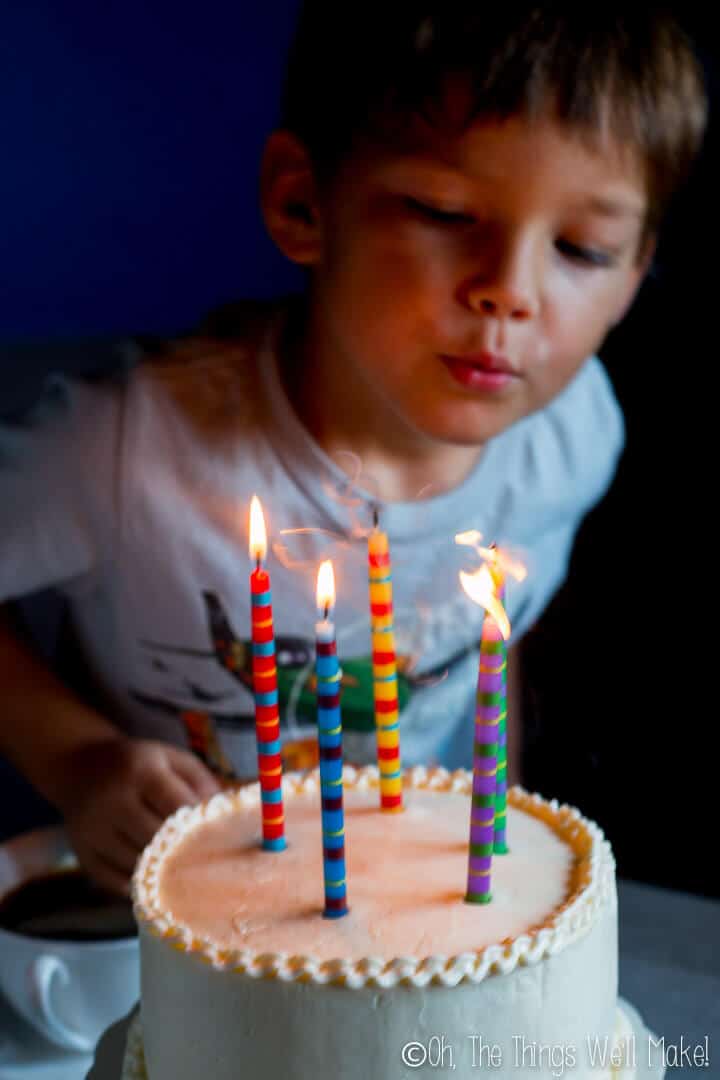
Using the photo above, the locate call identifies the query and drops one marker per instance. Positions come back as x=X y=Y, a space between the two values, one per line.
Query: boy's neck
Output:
x=365 y=440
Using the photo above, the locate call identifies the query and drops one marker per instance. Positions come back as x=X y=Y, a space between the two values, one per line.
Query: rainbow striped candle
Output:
x=385 y=686
x=267 y=715
x=327 y=670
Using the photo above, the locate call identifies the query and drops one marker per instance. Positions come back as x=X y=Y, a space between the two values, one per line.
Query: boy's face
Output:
x=460 y=282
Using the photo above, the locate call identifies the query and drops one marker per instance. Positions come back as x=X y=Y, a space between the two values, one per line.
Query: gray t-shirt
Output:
x=131 y=497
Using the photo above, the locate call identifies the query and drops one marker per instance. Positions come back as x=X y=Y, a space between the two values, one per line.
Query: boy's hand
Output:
x=120 y=790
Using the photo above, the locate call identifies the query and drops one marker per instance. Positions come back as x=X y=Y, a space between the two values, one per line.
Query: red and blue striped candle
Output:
x=329 y=719
x=265 y=689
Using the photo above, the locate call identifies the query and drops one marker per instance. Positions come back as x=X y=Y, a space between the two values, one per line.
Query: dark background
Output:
x=130 y=145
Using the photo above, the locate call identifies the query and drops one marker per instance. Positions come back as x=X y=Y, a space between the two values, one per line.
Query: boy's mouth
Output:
x=481 y=371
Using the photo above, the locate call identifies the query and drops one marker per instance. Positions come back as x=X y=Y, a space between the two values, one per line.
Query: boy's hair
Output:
x=624 y=68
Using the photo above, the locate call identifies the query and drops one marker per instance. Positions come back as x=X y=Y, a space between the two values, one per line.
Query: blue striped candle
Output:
x=327 y=670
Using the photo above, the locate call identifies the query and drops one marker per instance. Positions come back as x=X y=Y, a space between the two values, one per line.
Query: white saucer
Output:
x=25 y=1055
x=120 y=1052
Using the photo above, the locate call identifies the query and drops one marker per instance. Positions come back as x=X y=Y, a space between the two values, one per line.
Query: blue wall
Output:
x=130 y=138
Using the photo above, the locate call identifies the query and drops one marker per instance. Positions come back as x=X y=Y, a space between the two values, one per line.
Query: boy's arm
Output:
x=44 y=723
x=514 y=721
x=113 y=791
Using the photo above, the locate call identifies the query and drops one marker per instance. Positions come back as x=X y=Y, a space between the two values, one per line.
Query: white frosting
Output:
x=220 y=998
x=406 y=881
x=134 y=1059
x=258 y=913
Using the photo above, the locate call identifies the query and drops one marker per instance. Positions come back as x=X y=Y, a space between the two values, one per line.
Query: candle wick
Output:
x=376 y=517
x=258 y=564
x=327 y=611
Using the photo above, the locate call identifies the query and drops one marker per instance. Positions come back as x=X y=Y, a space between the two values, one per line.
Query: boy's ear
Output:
x=289 y=199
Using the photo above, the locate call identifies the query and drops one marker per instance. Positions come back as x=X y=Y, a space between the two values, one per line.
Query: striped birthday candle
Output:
x=481 y=587
x=485 y=762
x=327 y=671
x=500 y=846
x=384 y=667
x=265 y=689
x=486 y=587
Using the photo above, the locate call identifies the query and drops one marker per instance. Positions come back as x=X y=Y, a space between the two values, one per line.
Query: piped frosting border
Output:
x=592 y=889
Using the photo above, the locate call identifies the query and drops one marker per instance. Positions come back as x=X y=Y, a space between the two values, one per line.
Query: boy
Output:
x=475 y=195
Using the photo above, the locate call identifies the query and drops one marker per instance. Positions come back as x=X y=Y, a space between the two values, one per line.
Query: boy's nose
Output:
x=505 y=287
x=500 y=303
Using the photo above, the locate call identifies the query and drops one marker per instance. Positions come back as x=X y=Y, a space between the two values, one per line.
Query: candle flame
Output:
x=258 y=536
x=500 y=561
x=325 y=592
x=482 y=589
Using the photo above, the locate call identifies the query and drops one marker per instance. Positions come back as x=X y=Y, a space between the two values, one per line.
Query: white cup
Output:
x=70 y=991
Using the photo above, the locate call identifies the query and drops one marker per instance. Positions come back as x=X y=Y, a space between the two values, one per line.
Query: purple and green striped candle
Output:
x=488 y=815
x=500 y=846
x=489 y=707
x=484 y=588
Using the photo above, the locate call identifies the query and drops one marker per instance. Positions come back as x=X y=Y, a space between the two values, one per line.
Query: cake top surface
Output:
x=206 y=882
x=406 y=875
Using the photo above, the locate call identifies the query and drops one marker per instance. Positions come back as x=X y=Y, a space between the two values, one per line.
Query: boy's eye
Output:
x=436 y=214
x=589 y=256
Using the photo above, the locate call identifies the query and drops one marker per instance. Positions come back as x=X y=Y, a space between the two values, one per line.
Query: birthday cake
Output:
x=242 y=978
